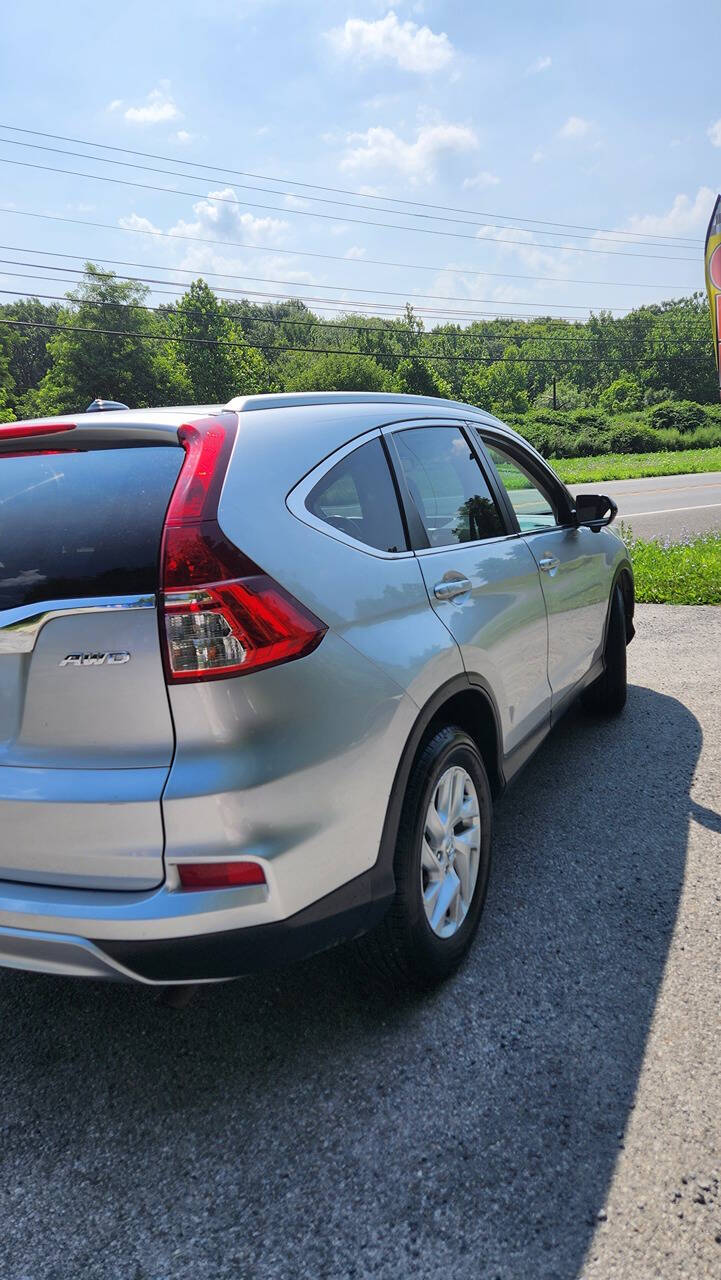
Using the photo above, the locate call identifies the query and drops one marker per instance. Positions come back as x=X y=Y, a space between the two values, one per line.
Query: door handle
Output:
x=449 y=588
x=549 y=564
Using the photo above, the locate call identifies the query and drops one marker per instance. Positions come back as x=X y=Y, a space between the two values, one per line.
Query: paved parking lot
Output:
x=555 y=1111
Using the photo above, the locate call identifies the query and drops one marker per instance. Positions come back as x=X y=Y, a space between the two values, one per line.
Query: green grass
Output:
x=630 y=466
x=685 y=572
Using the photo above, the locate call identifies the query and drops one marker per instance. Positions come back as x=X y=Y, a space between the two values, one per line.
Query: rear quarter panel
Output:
x=296 y=764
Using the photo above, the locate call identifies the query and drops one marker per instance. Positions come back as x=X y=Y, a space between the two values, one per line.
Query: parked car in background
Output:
x=264 y=669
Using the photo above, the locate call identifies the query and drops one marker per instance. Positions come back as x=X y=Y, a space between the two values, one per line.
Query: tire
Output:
x=405 y=947
x=607 y=695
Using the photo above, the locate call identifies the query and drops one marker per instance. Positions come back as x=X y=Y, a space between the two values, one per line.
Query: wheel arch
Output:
x=623 y=578
x=467 y=702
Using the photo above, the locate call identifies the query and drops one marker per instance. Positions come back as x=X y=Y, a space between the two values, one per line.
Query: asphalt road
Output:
x=551 y=1113
x=664 y=506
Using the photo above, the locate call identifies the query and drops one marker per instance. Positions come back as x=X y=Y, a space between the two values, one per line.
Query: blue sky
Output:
x=599 y=116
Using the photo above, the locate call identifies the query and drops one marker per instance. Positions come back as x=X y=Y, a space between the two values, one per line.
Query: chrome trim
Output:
x=20 y=627
x=449 y=588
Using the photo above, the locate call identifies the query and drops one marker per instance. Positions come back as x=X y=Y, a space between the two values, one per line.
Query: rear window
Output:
x=83 y=524
x=357 y=497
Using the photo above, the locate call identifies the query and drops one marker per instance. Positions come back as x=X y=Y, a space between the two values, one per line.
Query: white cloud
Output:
x=134 y=222
x=575 y=127
x=531 y=253
x=355 y=251
x=684 y=215
x=217 y=217
x=483 y=179
x=158 y=108
x=541 y=64
x=538 y=156
x=714 y=133
x=183 y=136
x=381 y=148
x=411 y=47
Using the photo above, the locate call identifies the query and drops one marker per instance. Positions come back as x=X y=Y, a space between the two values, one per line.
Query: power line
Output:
x=150 y=155
x=593 y=341
x=329 y=257
x=226 y=275
x=316 y=351
x=393 y=309
x=328 y=217
x=560 y=322
x=345 y=204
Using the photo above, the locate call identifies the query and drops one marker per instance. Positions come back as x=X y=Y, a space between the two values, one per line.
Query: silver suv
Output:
x=264 y=669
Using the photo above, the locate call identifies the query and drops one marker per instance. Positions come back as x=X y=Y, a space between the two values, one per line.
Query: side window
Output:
x=447 y=486
x=533 y=508
x=357 y=497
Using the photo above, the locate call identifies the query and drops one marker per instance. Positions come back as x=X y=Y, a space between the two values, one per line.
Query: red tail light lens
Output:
x=219 y=875
x=25 y=430
x=223 y=615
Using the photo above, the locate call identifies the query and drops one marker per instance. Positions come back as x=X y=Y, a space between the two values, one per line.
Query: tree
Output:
x=499 y=387
x=204 y=329
x=218 y=349
x=625 y=393
x=105 y=349
x=6 y=382
x=27 y=344
x=567 y=396
x=679 y=352
x=339 y=373
x=419 y=378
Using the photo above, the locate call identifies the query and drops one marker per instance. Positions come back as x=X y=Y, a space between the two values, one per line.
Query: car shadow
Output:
x=307 y=1123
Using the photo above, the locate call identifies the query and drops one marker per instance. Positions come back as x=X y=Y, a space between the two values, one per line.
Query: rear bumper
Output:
x=169 y=936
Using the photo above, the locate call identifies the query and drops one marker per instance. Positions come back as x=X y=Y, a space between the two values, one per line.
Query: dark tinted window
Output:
x=357 y=497
x=83 y=524
x=447 y=486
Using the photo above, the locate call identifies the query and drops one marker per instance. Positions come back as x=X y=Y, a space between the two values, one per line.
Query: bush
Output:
x=582 y=433
x=630 y=438
x=588 y=418
x=656 y=396
x=706 y=437
x=684 y=415
x=624 y=393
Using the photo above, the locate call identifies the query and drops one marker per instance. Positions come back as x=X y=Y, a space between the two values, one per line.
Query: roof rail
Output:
x=245 y=404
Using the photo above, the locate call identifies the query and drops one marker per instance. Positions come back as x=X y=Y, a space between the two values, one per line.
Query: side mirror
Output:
x=595 y=510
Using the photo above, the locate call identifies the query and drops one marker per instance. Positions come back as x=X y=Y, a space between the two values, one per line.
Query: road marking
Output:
x=666 y=488
x=667 y=511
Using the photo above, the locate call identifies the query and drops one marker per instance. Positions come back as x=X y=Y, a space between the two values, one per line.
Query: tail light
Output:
x=222 y=614
x=24 y=430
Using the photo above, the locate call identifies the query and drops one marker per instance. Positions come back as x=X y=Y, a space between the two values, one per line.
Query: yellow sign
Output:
x=712 y=259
